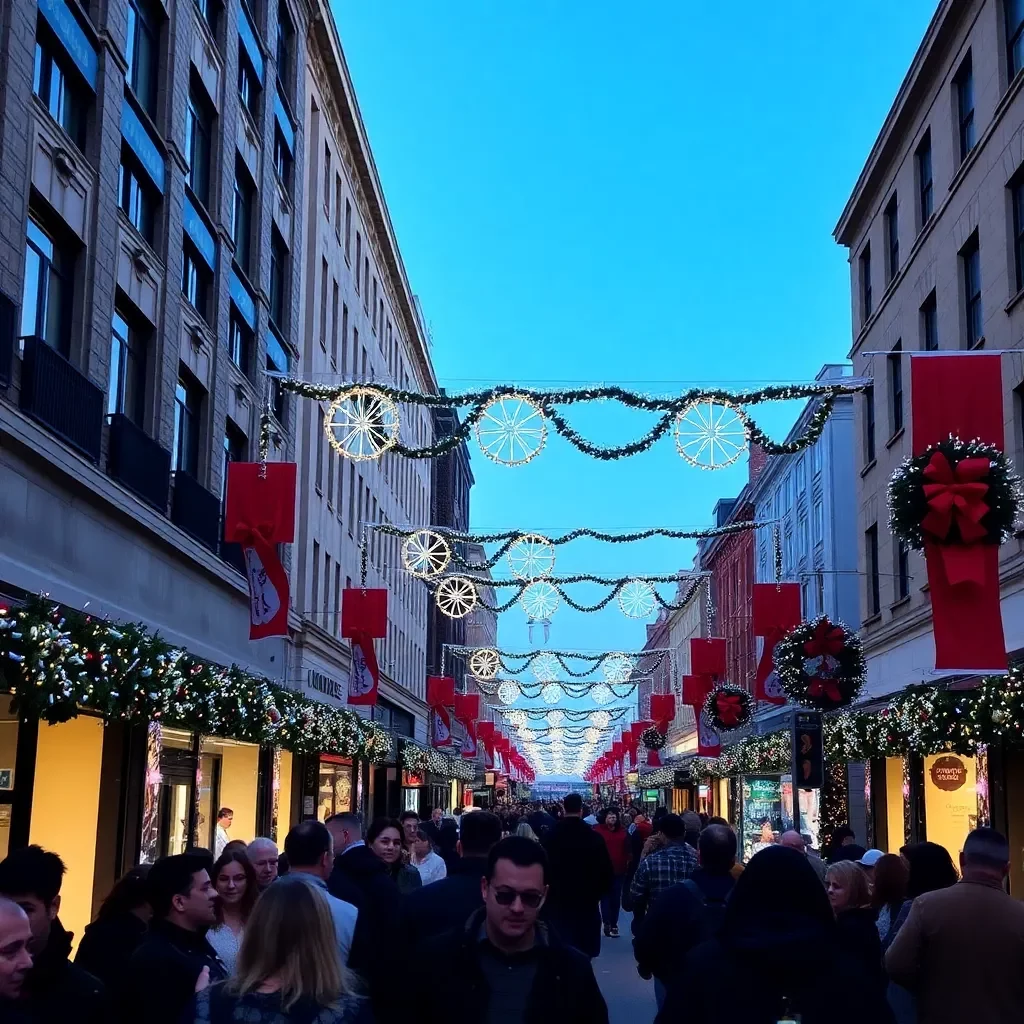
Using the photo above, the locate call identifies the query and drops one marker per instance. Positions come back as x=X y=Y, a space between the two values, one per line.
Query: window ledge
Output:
x=868 y=466
x=895 y=437
x=980 y=343
x=319 y=489
x=872 y=620
x=1013 y=301
x=901 y=603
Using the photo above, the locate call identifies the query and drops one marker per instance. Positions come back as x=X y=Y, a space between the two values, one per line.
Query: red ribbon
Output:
x=826 y=639
x=828 y=688
x=262 y=566
x=728 y=708
x=956 y=495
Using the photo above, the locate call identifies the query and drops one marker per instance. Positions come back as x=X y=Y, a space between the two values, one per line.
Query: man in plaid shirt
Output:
x=657 y=871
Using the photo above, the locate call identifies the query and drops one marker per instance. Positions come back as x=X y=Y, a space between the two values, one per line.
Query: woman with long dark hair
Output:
x=234 y=878
x=888 y=891
x=384 y=838
x=108 y=943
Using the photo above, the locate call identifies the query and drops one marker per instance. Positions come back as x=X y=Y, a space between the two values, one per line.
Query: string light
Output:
x=621 y=666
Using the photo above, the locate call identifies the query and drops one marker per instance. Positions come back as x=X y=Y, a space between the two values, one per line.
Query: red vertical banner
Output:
x=776 y=610
x=364 y=617
x=440 y=697
x=962 y=395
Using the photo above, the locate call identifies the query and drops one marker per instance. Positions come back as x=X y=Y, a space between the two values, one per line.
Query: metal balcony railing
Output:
x=195 y=509
x=138 y=462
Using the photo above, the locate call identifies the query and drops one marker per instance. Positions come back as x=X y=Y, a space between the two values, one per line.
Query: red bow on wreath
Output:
x=821 y=663
x=956 y=495
x=827 y=639
x=728 y=708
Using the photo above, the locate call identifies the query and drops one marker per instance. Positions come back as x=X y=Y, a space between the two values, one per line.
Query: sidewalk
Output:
x=630 y=999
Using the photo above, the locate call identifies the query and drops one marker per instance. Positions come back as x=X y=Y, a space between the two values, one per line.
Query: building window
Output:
x=925 y=187
x=285 y=42
x=344 y=339
x=337 y=206
x=869 y=425
x=902 y=570
x=249 y=87
x=316 y=578
x=241 y=215
x=366 y=284
x=320 y=452
x=48 y=290
x=143 y=53
x=1017 y=194
x=896 y=388
x=277 y=363
x=188 y=409
x=126 y=390
x=865 y=283
x=871 y=554
x=374 y=307
x=892 y=238
x=348 y=231
x=819 y=521
x=323 y=303
x=198 y=137
x=970 y=262
x=210 y=10
x=1014 y=36
x=196 y=280
x=327 y=181
x=278 y=275
x=56 y=82
x=236 y=448
x=335 y=300
x=359 y=258
x=930 y=325
x=241 y=343
x=282 y=159
x=964 y=85
x=137 y=197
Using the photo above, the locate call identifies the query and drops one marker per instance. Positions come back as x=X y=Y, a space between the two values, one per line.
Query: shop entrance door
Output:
x=335 y=786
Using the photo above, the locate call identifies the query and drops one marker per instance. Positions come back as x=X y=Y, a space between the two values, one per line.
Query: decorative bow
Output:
x=956 y=495
x=826 y=640
x=822 y=686
x=729 y=708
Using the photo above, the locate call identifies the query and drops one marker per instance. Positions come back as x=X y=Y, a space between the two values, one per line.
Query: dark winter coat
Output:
x=564 y=988
x=163 y=972
x=444 y=905
x=108 y=944
x=858 y=936
x=57 y=991
x=215 y=1006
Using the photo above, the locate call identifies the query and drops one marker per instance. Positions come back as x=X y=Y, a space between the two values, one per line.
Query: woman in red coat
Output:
x=616 y=838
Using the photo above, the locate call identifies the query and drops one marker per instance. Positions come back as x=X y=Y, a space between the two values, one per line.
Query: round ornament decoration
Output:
x=540 y=600
x=425 y=554
x=516 y=718
x=954 y=493
x=600 y=719
x=591 y=735
x=362 y=424
x=711 y=434
x=544 y=667
x=484 y=663
x=617 y=668
x=820 y=664
x=551 y=693
x=508 y=693
x=511 y=430
x=652 y=738
x=456 y=596
x=555 y=718
x=531 y=557
x=601 y=694
x=637 y=599
x=728 y=707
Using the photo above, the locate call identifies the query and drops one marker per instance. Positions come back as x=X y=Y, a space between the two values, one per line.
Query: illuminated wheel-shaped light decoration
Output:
x=456 y=596
x=531 y=557
x=601 y=694
x=617 y=668
x=637 y=599
x=516 y=718
x=484 y=664
x=600 y=719
x=362 y=424
x=551 y=693
x=544 y=667
x=555 y=717
x=511 y=430
x=508 y=693
x=711 y=434
x=540 y=600
x=592 y=735
x=556 y=734
x=425 y=554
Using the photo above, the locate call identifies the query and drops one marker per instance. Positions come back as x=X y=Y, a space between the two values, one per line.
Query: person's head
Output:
x=385 y=839
x=716 y=849
x=436 y=815
x=843 y=836
x=422 y=844
x=889 y=885
x=481 y=831
x=611 y=818
x=410 y=822
x=985 y=857
x=264 y=857
x=15 y=959
x=792 y=840
x=848 y=851
x=235 y=882
x=309 y=848
x=525 y=830
x=847 y=886
x=180 y=891
x=224 y=818
x=672 y=828
x=347 y=829
x=130 y=895
x=514 y=890
x=290 y=938
x=573 y=805
x=930 y=867
x=868 y=861
x=715 y=820
x=767 y=832
x=32 y=878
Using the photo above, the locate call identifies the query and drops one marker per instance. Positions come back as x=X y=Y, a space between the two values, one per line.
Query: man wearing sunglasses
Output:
x=510 y=967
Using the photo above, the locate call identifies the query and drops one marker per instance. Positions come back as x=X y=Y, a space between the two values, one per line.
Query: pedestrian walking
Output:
x=849 y=895
x=509 y=966
x=15 y=959
x=692 y=827
x=525 y=829
x=795 y=841
x=237 y=891
x=447 y=842
x=617 y=841
x=424 y=858
x=266 y=861
x=580 y=873
x=385 y=839
x=888 y=891
x=288 y=970
x=410 y=822
x=961 y=948
x=174 y=957
x=777 y=957
x=108 y=942
x=225 y=817
x=673 y=863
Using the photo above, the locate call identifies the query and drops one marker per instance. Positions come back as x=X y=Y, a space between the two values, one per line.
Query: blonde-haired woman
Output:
x=849 y=892
x=288 y=967
x=525 y=829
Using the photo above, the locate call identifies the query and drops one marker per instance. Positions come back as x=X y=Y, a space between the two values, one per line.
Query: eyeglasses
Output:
x=531 y=898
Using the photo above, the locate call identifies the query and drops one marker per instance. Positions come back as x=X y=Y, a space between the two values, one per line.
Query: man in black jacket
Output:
x=164 y=971
x=509 y=967
x=54 y=990
x=581 y=873
x=447 y=904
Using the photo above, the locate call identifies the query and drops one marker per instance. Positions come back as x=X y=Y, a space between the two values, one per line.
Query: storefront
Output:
x=766 y=812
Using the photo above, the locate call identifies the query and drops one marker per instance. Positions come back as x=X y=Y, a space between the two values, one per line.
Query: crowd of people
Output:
x=507 y=910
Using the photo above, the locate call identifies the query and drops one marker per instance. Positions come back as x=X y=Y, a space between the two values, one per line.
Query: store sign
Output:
x=324 y=684
x=949 y=773
x=651 y=795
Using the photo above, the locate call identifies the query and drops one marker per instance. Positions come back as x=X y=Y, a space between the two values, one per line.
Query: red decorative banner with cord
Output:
x=663 y=710
x=440 y=697
x=467 y=711
x=960 y=396
x=776 y=610
x=364 y=617
x=259 y=514
x=485 y=735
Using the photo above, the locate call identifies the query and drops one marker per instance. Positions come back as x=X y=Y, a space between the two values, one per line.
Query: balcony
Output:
x=137 y=461
x=233 y=556
x=195 y=509
x=60 y=397
x=8 y=313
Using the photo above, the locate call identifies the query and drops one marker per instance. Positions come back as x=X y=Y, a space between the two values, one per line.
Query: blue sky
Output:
x=602 y=193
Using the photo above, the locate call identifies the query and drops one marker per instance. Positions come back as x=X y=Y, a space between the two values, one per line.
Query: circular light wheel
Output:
x=516 y=718
x=484 y=664
x=711 y=434
x=551 y=693
x=362 y=424
x=540 y=600
x=617 y=668
x=531 y=557
x=592 y=735
x=555 y=717
x=425 y=554
x=601 y=694
x=600 y=719
x=456 y=596
x=508 y=693
x=511 y=430
x=637 y=600
x=545 y=667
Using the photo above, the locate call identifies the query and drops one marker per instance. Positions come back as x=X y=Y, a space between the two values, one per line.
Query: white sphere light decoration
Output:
x=551 y=693
x=508 y=692
x=555 y=717
x=600 y=719
x=601 y=694
x=617 y=668
x=592 y=735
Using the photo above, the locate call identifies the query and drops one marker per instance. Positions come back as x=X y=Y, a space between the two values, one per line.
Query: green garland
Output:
x=426 y=760
x=574 y=690
x=711 y=707
x=57 y=662
x=506 y=659
x=652 y=738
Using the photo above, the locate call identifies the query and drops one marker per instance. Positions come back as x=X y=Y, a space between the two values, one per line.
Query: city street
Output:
x=630 y=999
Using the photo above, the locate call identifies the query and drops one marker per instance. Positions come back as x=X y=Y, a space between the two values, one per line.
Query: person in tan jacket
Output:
x=961 y=949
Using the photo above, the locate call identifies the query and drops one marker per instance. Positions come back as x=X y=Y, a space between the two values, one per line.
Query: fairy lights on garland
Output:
x=425 y=760
x=821 y=664
x=501 y=688
x=56 y=662
x=643 y=662
x=728 y=707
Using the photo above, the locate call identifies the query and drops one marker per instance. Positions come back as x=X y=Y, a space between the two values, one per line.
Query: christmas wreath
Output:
x=652 y=738
x=728 y=707
x=820 y=664
x=955 y=492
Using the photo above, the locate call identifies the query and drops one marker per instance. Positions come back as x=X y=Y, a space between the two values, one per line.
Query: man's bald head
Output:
x=263 y=856
x=794 y=841
x=15 y=934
